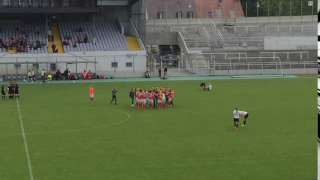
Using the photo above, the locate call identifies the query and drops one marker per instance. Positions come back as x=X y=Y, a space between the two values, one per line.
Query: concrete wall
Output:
x=310 y=71
x=272 y=19
x=290 y=43
x=112 y=2
x=162 y=38
x=103 y=59
x=134 y=32
x=112 y=13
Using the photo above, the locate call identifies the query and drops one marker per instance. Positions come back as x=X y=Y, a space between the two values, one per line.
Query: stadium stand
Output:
x=108 y=37
x=25 y=37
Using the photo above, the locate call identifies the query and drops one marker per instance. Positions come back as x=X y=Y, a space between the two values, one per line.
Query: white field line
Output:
x=25 y=142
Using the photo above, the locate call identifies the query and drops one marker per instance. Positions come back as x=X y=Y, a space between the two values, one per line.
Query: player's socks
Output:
x=244 y=122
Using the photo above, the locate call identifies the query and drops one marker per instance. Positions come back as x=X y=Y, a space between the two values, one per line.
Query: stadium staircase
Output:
x=133 y=43
x=57 y=39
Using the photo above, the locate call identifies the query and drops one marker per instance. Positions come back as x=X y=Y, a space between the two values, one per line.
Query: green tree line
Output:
x=278 y=7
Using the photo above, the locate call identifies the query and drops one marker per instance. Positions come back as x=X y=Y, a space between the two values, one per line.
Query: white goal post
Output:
x=246 y=67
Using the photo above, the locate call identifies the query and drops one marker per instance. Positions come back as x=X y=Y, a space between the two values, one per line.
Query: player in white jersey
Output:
x=245 y=116
x=236 y=116
x=209 y=87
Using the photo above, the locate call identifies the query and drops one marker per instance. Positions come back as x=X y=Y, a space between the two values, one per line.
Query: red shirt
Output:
x=171 y=94
x=138 y=95
x=151 y=95
x=91 y=90
x=160 y=96
x=143 y=95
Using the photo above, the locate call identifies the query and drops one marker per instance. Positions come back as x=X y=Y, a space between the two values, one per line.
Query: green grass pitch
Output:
x=70 y=138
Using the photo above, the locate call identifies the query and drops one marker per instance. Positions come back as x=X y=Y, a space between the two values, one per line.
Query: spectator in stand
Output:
x=31 y=46
x=0 y=29
x=159 y=71
x=4 y=44
x=11 y=43
x=147 y=75
x=38 y=45
x=85 y=38
x=53 y=47
x=17 y=29
x=79 y=39
x=165 y=70
x=80 y=29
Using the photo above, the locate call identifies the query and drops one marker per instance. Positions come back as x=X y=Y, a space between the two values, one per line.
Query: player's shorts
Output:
x=246 y=116
x=151 y=101
x=160 y=101
x=3 y=93
x=144 y=100
x=236 y=119
x=91 y=95
x=170 y=99
x=16 y=92
x=29 y=77
x=139 y=100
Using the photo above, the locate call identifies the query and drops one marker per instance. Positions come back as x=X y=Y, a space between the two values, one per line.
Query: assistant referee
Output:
x=114 y=95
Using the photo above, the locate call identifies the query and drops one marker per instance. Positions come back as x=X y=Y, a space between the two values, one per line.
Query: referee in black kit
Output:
x=114 y=95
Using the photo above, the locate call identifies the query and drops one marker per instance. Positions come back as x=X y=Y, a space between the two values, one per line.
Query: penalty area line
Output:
x=25 y=142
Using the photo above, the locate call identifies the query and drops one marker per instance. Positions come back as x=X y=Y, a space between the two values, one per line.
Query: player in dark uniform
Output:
x=3 y=92
x=114 y=96
x=16 y=91
x=10 y=93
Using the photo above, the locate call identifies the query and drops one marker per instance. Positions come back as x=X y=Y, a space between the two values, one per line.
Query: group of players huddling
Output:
x=153 y=98
x=13 y=91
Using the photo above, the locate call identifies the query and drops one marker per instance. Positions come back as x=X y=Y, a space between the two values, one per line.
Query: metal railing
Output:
x=183 y=29
x=291 y=28
x=286 y=55
x=246 y=28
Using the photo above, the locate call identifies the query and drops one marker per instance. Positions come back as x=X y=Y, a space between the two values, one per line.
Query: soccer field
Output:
x=70 y=138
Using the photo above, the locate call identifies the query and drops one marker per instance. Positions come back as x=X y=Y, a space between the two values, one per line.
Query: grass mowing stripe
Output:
x=25 y=142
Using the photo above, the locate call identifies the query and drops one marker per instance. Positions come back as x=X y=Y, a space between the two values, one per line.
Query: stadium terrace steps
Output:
x=57 y=39
x=108 y=36
x=133 y=43
x=35 y=32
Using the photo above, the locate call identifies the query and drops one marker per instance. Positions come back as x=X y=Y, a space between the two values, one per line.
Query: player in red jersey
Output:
x=144 y=99
x=138 y=98
x=150 y=98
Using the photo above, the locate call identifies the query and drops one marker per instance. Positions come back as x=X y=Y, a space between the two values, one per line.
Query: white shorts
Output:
x=160 y=101
x=139 y=101
x=144 y=100
x=170 y=99
x=151 y=101
x=91 y=95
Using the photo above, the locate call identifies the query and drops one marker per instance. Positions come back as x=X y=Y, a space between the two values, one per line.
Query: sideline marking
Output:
x=75 y=130
x=25 y=142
